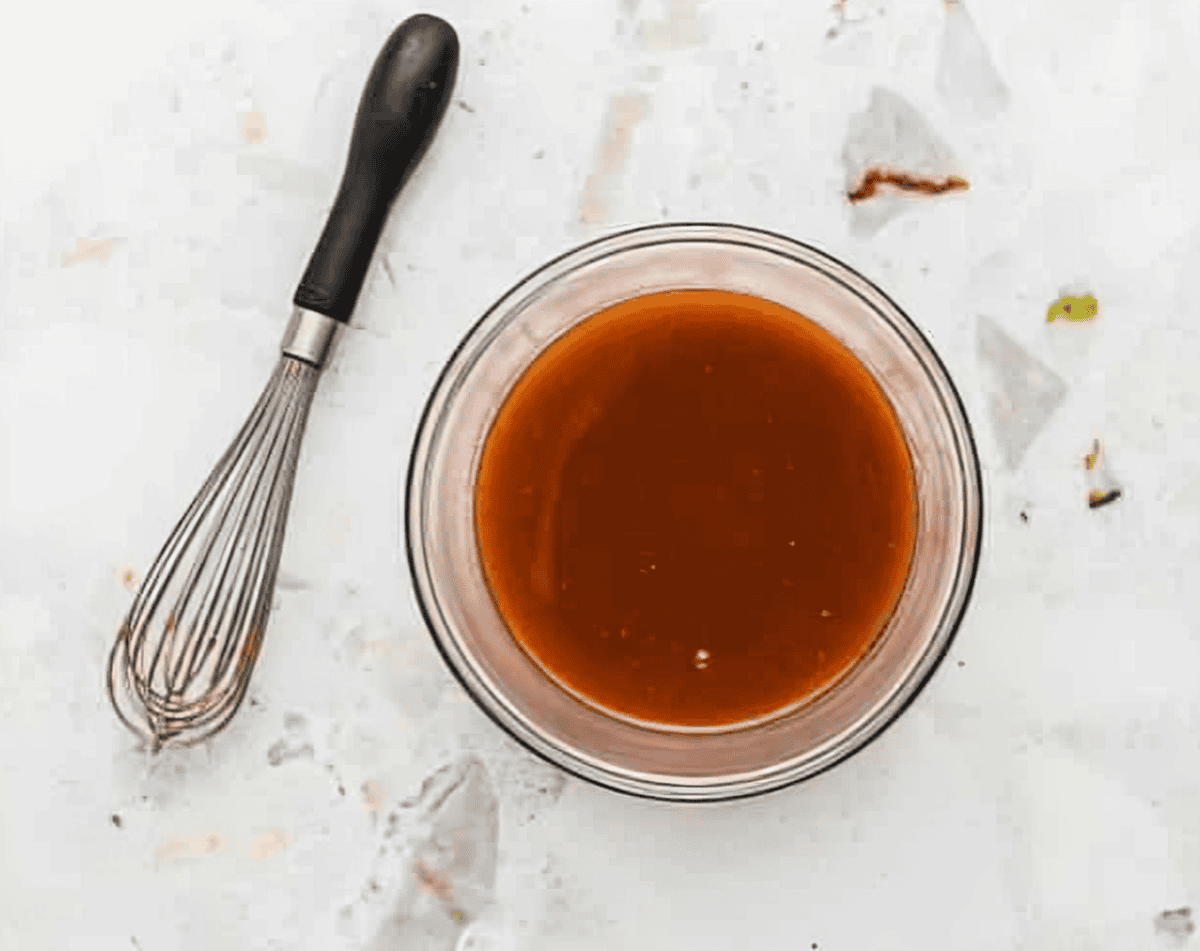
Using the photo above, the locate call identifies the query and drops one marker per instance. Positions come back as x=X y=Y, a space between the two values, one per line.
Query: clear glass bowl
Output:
x=660 y=762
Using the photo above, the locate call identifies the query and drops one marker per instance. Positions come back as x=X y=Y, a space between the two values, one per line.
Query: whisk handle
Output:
x=402 y=105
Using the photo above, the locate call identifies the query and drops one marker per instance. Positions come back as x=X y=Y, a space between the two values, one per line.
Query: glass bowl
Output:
x=663 y=762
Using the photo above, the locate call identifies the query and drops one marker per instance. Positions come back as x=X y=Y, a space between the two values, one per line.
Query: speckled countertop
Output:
x=164 y=172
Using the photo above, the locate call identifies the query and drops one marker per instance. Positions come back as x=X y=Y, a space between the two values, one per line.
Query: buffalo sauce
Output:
x=696 y=508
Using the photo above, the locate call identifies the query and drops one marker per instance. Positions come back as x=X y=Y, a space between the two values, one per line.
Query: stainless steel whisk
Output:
x=182 y=659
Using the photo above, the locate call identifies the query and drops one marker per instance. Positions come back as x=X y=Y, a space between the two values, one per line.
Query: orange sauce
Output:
x=696 y=508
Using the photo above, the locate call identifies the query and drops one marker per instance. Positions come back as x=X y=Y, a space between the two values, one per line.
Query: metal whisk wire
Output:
x=208 y=594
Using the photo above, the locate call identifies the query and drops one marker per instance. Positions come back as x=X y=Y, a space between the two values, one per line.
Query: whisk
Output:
x=182 y=660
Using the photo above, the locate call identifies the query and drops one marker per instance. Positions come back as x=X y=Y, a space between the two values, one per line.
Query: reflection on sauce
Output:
x=696 y=508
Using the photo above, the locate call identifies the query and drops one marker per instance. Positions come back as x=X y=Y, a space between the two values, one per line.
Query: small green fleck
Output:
x=1074 y=308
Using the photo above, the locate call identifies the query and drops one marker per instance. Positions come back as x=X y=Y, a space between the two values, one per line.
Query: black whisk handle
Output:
x=402 y=105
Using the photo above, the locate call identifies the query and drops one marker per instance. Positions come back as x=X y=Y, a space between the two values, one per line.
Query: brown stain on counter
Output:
x=432 y=881
x=623 y=114
x=681 y=30
x=373 y=796
x=88 y=249
x=189 y=847
x=267 y=844
x=253 y=126
x=877 y=178
x=1098 y=499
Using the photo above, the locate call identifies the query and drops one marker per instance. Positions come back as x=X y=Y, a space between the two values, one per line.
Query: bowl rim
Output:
x=970 y=555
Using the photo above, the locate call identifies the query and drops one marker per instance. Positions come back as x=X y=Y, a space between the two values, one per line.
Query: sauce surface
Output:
x=696 y=508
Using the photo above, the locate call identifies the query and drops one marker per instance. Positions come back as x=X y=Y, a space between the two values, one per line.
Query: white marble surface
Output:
x=1044 y=791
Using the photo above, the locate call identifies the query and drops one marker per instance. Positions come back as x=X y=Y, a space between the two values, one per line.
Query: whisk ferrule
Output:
x=310 y=336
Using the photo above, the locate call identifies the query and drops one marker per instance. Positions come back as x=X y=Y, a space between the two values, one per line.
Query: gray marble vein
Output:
x=1023 y=393
x=967 y=79
x=445 y=847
